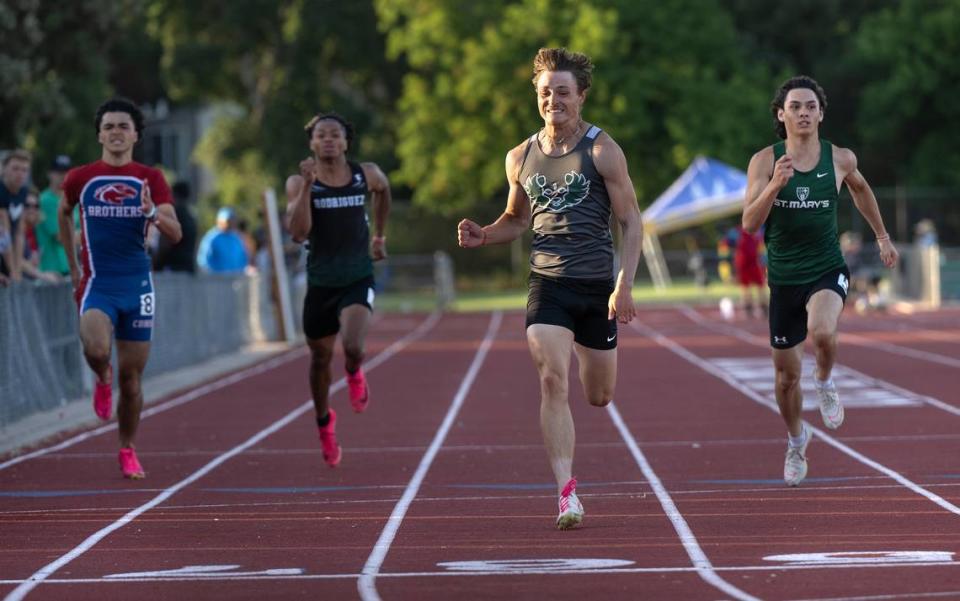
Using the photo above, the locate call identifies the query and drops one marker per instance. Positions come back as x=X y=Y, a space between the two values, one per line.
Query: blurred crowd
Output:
x=31 y=251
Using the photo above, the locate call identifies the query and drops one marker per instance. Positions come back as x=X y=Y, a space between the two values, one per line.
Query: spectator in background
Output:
x=32 y=255
x=749 y=269
x=179 y=256
x=53 y=257
x=13 y=193
x=222 y=249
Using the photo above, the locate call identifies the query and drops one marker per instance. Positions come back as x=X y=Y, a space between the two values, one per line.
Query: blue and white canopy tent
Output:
x=707 y=190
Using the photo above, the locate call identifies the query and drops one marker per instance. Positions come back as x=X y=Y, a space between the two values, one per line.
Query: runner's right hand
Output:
x=470 y=234
x=782 y=171
x=308 y=169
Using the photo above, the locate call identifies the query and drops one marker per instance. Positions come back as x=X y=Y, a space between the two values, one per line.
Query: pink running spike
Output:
x=103 y=397
x=129 y=464
x=328 y=441
x=359 y=391
x=569 y=487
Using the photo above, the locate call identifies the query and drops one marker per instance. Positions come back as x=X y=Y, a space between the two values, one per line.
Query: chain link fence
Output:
x=41 y=363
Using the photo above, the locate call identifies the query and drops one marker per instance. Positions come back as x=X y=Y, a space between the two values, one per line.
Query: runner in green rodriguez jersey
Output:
x=793 y=187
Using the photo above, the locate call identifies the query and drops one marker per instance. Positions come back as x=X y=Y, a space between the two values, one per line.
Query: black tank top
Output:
x=570 y=209
x=339 y=242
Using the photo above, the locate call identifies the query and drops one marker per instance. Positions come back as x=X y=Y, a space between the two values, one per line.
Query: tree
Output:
x=909 y=116
x=275 y=64
x=54 y=72
x=669 y=84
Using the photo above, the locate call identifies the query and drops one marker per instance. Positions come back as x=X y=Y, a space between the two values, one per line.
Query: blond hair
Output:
x=561 y=59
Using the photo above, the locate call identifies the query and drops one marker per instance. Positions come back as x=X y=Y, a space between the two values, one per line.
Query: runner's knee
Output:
x=97 y=353
x=787 y=380
x=353 y=351
x=821 y=336
x=600 y=398
x=320 y=356
x=553 y=385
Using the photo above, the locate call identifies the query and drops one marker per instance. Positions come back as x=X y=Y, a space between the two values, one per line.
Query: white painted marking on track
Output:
x=696 y=554
x=756 y=373
x=449 y=573
x=366 y=584
x=855 y=557
x=45 y=572
x=708 y=367
x=903 y=351
x=205 y=571
x=164 y=406
x=758 y=341
x=535 y=566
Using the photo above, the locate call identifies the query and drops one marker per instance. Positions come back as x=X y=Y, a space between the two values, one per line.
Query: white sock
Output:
x=828 y=383
x=797 y=441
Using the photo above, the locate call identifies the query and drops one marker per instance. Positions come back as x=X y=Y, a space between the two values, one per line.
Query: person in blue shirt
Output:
x=222 y=249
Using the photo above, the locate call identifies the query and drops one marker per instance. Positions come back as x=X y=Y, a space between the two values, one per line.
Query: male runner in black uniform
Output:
x=568 y=178
x=327 y=207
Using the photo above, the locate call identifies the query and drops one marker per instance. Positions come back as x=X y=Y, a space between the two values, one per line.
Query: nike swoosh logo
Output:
x=819 y=175
x=610 y=339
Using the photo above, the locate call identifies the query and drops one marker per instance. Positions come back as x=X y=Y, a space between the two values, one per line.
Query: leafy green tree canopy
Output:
x=669 y=83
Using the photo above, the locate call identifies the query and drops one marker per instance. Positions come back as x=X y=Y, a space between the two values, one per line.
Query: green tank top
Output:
x=801 y=230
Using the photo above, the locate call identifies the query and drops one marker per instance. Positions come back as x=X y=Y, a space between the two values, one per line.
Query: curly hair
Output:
x=797 y=82
x=561 y=59
x=346 y=125
x=120 y=105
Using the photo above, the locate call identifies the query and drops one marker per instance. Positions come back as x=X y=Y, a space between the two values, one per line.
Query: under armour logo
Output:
x=779 y=339
x=843 y=282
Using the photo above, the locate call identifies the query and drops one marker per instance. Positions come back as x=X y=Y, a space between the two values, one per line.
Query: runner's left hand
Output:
x=378 y=248
x=888 y=253
x=621 y=305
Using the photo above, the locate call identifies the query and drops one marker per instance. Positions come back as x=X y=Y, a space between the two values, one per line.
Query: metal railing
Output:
x=41 y=362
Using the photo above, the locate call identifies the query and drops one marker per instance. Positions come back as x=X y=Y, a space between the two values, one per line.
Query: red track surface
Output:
x=681 y=480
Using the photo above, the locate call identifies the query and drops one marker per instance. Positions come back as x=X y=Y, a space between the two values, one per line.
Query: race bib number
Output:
x=146 y=304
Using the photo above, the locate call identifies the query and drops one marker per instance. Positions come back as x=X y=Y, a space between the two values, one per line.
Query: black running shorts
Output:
x=788 y=306
x=578 y=305
x=322 y=306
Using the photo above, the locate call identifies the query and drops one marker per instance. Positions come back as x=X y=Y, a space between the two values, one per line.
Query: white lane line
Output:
x=166 y=405
x=518 y=572
x=714 y=371
x=196 y=393
x=366 y=584
x=758 y=341
x=700 y=560
x=45 y=572
x=904 y=351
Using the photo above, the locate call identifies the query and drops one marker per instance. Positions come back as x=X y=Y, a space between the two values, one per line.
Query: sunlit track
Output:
x=366 y=584
x=953 y=565
x=821 y=434
x=902 y=350
x=474 y=518
x=704 y=567
x=508 y=448
x=880 y=338
x=178 y=400
x=758 y=341
x=39 y=576
x=152 y=410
